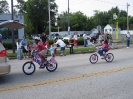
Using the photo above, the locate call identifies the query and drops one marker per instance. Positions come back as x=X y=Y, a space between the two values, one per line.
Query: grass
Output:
x=76 y=50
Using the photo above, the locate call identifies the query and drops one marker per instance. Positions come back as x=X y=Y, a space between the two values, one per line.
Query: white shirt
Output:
x=75 y=37
x=84 y=36
x=61 y=43
x=18 y=45
x=128 y=35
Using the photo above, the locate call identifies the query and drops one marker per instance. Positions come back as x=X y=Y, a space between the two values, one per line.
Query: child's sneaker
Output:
x=101 y=57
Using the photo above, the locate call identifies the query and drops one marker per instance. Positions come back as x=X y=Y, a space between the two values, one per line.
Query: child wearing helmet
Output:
x=40 y=46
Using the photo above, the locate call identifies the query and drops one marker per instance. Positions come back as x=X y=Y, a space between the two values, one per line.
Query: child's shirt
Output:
x=40 y=46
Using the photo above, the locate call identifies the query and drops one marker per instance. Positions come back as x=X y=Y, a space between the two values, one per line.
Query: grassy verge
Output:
x=76 y=50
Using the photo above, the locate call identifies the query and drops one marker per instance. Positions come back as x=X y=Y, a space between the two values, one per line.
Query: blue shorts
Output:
x=62 y=48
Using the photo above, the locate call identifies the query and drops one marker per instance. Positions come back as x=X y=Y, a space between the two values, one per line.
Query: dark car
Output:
x=94 y=37
x=55 y=35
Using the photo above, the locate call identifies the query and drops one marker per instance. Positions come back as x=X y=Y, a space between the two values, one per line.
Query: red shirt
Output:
x=41 y=46
x=105 y=45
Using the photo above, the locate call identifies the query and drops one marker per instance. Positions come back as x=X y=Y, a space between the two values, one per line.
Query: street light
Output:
x=68 y=20
x=49 y=18
x=13 y=39
x=115 y=17
x=127 y=18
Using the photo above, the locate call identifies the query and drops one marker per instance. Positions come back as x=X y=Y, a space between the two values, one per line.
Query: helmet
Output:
x=37 y=38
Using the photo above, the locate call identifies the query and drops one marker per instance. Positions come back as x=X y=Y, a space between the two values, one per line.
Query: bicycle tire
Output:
x=109 y=57
x=51 y=67
x=29 y=68
x=93 y=58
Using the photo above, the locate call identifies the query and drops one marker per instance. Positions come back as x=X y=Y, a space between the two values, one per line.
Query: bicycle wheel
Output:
x=93 y=58
x=51 y=66
x=29 y=68
x=109 y=57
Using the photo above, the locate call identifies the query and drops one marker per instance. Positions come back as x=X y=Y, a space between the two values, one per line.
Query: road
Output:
x=75 y=78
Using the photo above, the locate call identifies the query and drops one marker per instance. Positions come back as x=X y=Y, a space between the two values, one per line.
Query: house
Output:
x=111 y=29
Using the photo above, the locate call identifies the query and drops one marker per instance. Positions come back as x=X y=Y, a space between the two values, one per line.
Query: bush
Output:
x=8 y=45
x=80 y=41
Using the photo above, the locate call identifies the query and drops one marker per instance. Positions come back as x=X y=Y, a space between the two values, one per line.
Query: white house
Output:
x=108 y=28
x=111 y=29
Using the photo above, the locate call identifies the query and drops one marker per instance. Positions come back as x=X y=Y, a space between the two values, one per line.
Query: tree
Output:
x=4 y=6
x=78 y=21
x=37 y=11
x=29 y=26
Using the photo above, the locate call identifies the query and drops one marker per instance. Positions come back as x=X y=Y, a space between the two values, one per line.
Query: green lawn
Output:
x=76 y=50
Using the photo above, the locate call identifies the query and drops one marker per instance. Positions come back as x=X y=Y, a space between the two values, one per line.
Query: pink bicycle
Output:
x=29 y=67
x=107 y=56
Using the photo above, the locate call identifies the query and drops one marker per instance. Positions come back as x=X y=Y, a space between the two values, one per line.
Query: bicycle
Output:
x=29 y=67
x=107 y=56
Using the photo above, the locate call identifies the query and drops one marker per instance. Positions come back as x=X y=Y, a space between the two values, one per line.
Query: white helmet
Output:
x=37 y=38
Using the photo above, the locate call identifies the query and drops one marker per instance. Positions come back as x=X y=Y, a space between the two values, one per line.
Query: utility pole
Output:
x=13 y=39
x=68 y=20
x=127 y=18
x=49 y=19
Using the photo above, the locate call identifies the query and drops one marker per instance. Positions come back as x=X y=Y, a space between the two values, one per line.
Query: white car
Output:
x=67 y=37
x=4 y=65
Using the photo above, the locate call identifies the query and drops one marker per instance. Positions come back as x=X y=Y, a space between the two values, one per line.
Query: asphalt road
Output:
x=75 y=78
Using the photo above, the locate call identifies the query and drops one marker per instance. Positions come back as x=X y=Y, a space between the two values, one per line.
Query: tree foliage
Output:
x=4 y=6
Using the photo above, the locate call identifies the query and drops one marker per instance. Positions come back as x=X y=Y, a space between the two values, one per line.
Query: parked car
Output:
x=55 y=35
x=94 y=37
x=4 y=65
x=67 y=37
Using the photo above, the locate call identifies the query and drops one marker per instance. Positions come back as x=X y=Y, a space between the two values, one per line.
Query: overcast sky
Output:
x=88 y=6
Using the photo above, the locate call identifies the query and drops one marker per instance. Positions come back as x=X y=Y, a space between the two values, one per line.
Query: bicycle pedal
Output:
x=41 y=67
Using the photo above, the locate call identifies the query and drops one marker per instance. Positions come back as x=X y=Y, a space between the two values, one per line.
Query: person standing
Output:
x=24 y=43
x=62 y=46
x=0 y=38
x=128 y=39
x=71 y=44
x=75 y=40
x=19 y=51
x=85 y=39
x=44 y=37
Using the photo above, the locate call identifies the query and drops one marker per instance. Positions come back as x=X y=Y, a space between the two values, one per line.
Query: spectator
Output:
x=62 y=46
x=0 y=38
x=24 y=47
x=51 y=49
x=128 y=39
x=85 y=39
x=19 y=51
x=46 y=44
x=71 y=44
x=44 y=38
x=30 y=48
x=75 y=39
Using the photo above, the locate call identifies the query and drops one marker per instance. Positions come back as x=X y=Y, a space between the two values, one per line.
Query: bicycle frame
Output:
x=36 y=57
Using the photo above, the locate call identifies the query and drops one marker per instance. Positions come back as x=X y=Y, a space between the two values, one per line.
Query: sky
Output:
x=88 y=6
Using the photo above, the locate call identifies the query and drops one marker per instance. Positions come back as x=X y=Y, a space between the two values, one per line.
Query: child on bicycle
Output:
x=40 y=47
x=104 y=48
